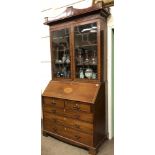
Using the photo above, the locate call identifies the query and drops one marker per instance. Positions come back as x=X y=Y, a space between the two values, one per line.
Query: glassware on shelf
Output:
x=64 y=57
x=94 y=58
x=81 y=73
x=67 y=59
x=86 y=61
x=61 y=53
x=79 y=57
x=61 y=74
x=64 y=71
x=59 y=62
x=88 y=73
x=94 y=75
x=58 y=74
x=57 y=56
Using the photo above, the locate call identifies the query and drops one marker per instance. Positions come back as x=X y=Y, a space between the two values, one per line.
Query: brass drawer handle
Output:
x=77 y=137
x=76 y=107
x=53 y=103
x=53 y=111
x=77 y=126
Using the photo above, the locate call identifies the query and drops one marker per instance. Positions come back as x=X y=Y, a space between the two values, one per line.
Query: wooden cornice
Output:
x=71 y=13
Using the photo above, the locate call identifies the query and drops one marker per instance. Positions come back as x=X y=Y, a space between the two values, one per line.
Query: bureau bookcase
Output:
x=74 y=101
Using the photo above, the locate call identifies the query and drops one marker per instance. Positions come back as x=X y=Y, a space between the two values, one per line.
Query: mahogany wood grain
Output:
x=68 y=132
x=99 y=117
x=72 y=13
x=78 y=106
x=68 y=140
x=83 y=116
x=69 y=122
x=76 y=91
x=59 y=103
x=74 y=110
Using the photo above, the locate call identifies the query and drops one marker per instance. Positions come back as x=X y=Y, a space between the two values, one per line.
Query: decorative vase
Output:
x=88 y=73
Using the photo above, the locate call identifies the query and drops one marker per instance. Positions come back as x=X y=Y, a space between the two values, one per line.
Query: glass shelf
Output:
x=80 y=46
x=58 y=63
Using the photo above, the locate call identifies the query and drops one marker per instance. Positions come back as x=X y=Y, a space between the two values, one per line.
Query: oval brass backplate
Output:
x=68 y=90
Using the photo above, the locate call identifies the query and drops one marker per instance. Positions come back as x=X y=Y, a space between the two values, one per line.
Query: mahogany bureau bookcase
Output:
x=74 y=101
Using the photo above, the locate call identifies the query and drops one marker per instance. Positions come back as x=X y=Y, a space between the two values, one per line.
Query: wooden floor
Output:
x=51 y=146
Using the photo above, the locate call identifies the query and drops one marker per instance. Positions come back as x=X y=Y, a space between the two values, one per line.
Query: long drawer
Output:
x=68 y=132
x=88 y=117
x=72 y=123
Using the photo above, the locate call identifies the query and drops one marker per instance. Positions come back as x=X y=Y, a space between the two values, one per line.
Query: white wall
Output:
x=52 y=8
x=110 y=23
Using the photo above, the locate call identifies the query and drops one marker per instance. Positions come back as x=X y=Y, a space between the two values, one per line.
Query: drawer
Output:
x=77 y=136
x=69 y=133
x=72 y=123
x=88 y=117
x=48 y=103
x=49 y=126
x=77 y=106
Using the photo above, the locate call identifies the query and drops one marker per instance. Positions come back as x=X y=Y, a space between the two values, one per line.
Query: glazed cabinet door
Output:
x=60 y=52
x=86 y=51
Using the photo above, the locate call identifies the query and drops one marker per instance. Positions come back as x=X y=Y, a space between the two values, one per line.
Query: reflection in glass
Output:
x=81 y=73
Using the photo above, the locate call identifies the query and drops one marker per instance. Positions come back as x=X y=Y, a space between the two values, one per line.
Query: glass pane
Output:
x=86 y=51
x=61 y=54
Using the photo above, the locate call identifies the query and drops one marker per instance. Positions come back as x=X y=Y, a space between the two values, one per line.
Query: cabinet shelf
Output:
x=63 y=78
x=84 y=33
x=79 y=46
x=66 y=64
x=86 y=65
x=64 y=37
x=66 y=50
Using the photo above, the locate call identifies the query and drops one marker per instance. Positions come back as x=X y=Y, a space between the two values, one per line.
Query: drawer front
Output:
x=72 y=123
x=49 y=126
x=48 y=103
x=78 y=106
x=77 y=136
x=88 y=117
x=69 y=133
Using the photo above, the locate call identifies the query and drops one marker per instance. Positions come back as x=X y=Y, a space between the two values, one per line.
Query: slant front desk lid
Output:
x=78 y=91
